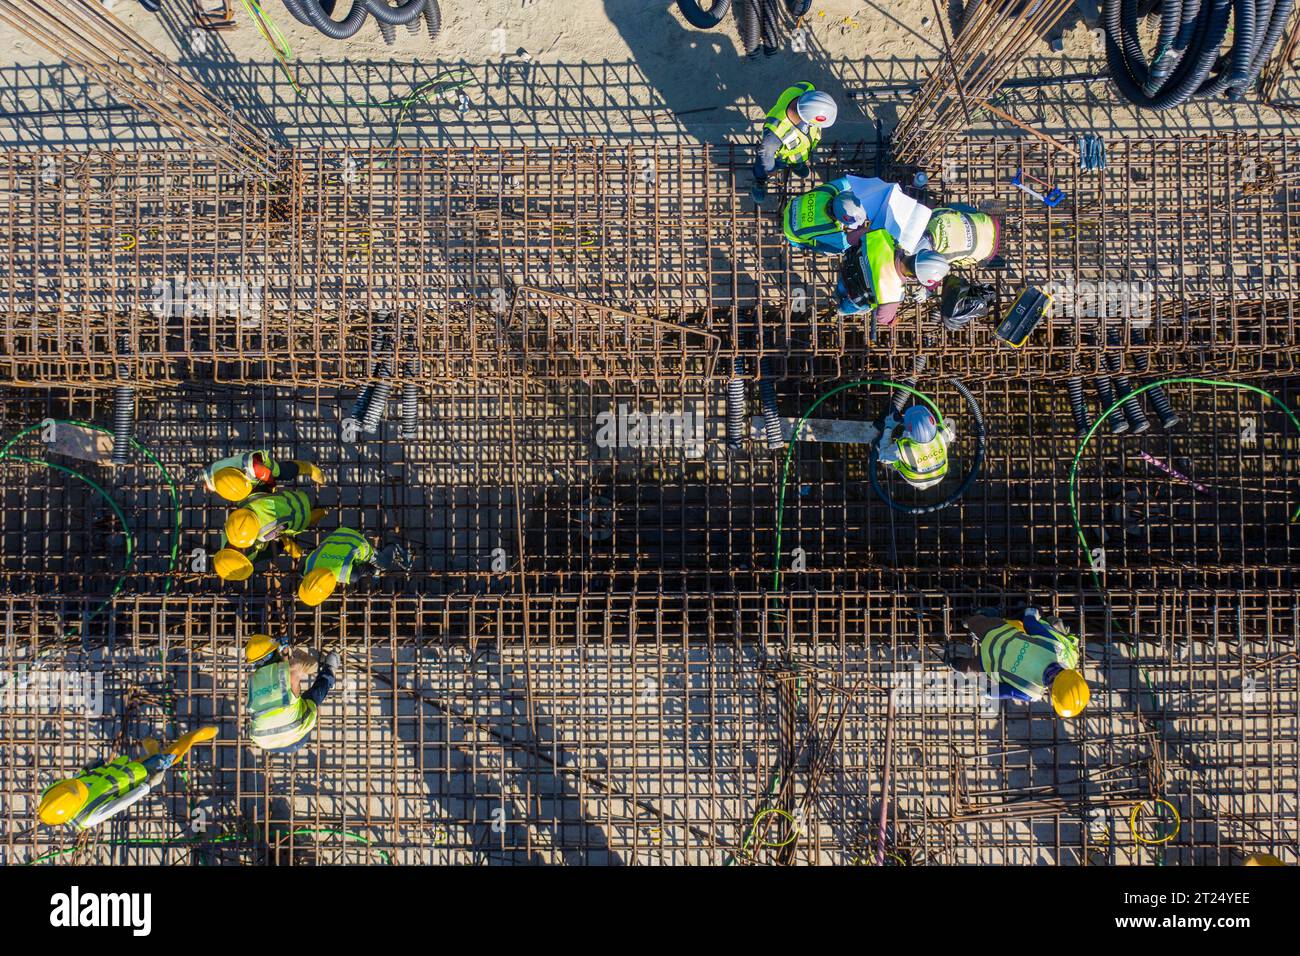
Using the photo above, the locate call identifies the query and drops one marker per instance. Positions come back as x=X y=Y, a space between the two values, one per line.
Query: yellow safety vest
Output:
x=341 y=549
x=808 y=217
x=105 y=784
x=285 y=512
x=882 y=271
x=922 y=461
x=963 y=238
x=796 y=145
x=1021 y=660
x=280 y=717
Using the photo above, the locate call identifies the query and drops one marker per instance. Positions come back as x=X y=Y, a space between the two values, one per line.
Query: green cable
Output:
x=794 y=436
x=1074 y=507
x=220 y=838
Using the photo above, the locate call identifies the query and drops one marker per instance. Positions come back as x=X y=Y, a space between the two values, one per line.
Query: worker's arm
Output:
x=886 y=313
x=949 y=431
x=887 y=447
x=1007 y=692
x=765 y=158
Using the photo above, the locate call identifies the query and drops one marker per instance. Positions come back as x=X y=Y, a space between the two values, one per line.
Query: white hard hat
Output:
x=930 y=268
x=817 y=108
x=846 y=208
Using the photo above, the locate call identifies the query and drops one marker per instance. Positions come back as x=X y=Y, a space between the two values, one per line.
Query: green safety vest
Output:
x=242 y=463
x=962 y=237
x=796 y=145
x=1021 y=660
x=922 y=461
x=882 y=271
x=114 y=779
x=285 y=512
x=338 y=552
x=280 y=717
x=808 y=217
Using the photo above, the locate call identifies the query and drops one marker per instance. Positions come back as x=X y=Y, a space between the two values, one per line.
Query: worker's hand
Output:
x=758 y=193
x=891 y=422
x=331 y=662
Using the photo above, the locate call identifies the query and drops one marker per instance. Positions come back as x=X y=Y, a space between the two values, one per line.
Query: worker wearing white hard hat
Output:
x=791 y=131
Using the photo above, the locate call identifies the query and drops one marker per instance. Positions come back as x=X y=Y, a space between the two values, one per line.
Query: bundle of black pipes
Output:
x=316 y=13
x=758 y=22
x=1188 y=60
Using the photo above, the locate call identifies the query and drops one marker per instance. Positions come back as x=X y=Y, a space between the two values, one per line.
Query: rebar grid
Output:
x=650 y=731
x=987 y=48
x=86 y=35
x=474 y=263
x=551 y=483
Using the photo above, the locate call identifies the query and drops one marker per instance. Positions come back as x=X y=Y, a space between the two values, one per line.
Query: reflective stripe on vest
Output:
x=922 y=461
x=1021 y=660
x=963 y=238
x=809 y=216
x=796 y=145
x=286 y=511
x=280 y=717
x=115 y=779
x=882 y=271
x=338 y=552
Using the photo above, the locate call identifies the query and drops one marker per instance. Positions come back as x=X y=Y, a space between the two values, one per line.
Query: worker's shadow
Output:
x=473 y=812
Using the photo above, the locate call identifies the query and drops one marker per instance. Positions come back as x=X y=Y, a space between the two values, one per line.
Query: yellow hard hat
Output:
x=232 y=484
x=62 y=801
x=1262 y=859
x=1070 y=693
x=230 y=565
x=317 y=586
x=242 y=527
x=258 y=646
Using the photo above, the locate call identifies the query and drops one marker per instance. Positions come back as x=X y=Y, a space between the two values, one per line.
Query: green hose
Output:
x=220 y=838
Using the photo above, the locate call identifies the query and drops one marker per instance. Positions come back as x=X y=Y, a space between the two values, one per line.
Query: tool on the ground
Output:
x=1052 y=198
x=1024 y=315
x=1172 y=472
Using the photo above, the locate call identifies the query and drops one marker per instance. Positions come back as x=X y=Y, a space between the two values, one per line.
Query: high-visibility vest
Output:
x=963 y=238
x=280 y=717
x=242 y=463
x=114 y=779
x=341 y=549
x=809 y=217
x=1021 y=660
x=922 y=461
x=285 y=512
x=796 y=145
x=882 y=270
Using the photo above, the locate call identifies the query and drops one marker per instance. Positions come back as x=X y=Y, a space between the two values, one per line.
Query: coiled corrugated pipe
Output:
x=123 y=408
x=1132 y=407
x=337 y=29
x=1164 y=408
x=410 y=400
x=1078 y=406
x=767 y=398
x=404 y=12
x=381 y=392
x=736 y=405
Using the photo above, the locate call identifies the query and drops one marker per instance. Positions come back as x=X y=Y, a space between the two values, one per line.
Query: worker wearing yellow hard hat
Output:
x=1262 y=859
x=237 y=477
x=107 y=789
x=281 y=718
x=332 y=563
x=266 y=517
x=1029 y=659
x=231 y=564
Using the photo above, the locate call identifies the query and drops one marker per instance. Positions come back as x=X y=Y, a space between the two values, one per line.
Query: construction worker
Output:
x=917 y=447
x=281 y=719
x=267 y=517
x=1029 y=659
x=231 y=564
x=237 y=477
x=331 y=563
x=874 y=276
x=963 y=235
x=107 y=789
x=827 y=219
x=1262 y=859
x=791 y=131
